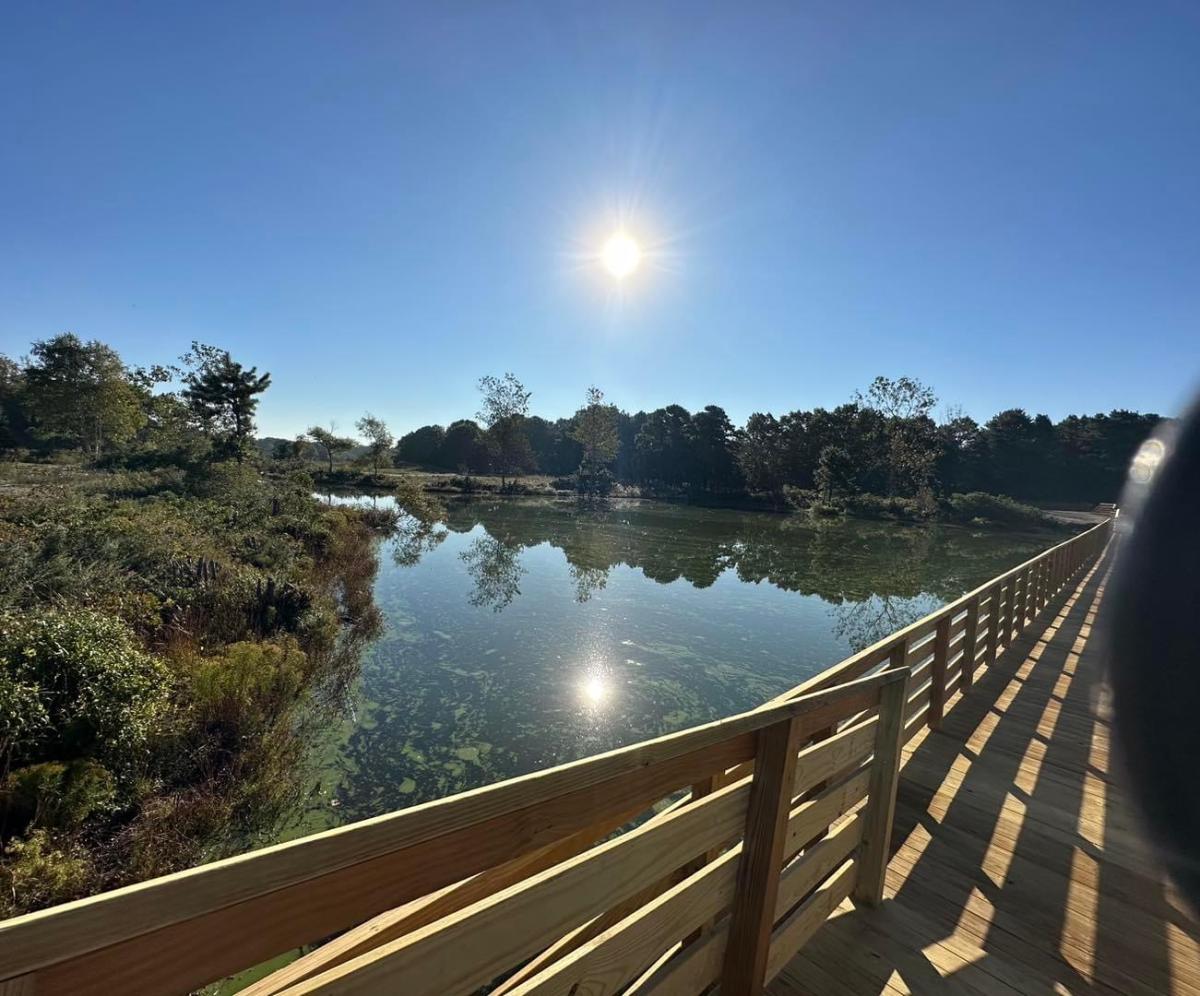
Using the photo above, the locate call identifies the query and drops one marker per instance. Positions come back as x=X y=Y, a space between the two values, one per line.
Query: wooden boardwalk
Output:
x=1018 y=866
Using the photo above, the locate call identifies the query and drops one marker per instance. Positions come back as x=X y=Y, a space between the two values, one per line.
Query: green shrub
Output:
x=977 y=505
x=100 y=695
x=56 y=796
x=869 y=506
x=248 y=687
x=42 y=871
x=24 y=718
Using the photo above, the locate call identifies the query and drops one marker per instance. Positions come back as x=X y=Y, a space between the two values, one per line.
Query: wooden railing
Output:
x=761 y=825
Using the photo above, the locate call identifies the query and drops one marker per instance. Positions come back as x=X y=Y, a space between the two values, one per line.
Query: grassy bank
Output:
x=974 y=507
x=168 y=638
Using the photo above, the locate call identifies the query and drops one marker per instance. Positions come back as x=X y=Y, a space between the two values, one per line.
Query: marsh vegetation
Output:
x=198 y=656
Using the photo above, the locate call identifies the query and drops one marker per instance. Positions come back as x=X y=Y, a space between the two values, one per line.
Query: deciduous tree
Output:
x=595 y=429
x=379 y=439
x=504 y=410
x=81 y=391
x=330 y=443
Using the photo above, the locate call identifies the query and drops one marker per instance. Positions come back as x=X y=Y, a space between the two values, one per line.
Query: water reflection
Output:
x=496 y=569
x=877 y=565
x=868 y=621
x=595 y=690
x=521 y=634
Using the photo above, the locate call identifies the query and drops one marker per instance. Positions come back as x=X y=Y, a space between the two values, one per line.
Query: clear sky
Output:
x=379 y=202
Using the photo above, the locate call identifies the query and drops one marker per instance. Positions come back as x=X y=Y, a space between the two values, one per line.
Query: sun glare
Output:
x=595 y=690
x=621 y=255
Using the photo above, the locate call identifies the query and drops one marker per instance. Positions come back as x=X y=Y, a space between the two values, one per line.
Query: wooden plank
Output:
x=920 y=651
x=753 y=910
x=919 y=700
x=826 y=759
x=970 y=650
x=395 y=923
x=468 y=949
x=562 y=949
x=993 y=630
x=611 y=960
x=800 y=925
x=694 y=969
x=937 y=674
x=183 y=930
x=819 y=812
x=481 y=940
x=1022 y=602
x=188 y=953
x=819 y=762
x=881 y=796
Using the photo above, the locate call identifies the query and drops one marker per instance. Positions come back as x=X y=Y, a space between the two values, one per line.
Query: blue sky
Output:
x=381 y=202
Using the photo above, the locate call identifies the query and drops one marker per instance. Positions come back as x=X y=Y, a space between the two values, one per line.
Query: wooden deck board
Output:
x=1018 y=863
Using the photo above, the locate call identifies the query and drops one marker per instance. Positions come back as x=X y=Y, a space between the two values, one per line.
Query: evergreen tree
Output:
x=223 y=396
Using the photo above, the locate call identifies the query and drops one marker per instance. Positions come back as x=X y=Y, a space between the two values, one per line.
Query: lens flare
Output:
x=1146 y=462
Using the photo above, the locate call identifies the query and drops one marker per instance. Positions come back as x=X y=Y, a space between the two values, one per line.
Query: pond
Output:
x=528 y=633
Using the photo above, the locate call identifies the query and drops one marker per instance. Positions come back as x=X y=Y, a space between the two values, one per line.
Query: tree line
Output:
x=884 y=441
x=74 y=394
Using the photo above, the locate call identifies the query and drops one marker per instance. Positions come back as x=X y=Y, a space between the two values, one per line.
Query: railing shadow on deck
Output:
x=1016 y=863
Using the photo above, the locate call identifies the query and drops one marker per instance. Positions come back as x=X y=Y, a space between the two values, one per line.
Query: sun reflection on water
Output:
x=594 y=690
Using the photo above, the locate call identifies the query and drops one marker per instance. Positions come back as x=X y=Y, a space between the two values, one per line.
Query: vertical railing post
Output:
x=993 y=633
x=881 y=791
x=937 y=673
x=1004 y=619
x=1022 y=601
x=753 y=913
x=970 y=638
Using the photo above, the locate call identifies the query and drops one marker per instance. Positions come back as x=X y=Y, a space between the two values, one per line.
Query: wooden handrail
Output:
x=478 y=882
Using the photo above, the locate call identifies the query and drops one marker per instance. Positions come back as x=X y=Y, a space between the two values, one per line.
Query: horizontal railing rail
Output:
x=762 y=823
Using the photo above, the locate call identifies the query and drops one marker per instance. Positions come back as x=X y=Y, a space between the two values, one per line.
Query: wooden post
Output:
x=993 y=634
x=881 y=793
x=969 y=641
x=937 y=673
x=753 y=913
x=1002 y=613
x=1021 y=602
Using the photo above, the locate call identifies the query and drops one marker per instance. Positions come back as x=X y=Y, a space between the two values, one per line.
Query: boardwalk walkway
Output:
x=1018 y=864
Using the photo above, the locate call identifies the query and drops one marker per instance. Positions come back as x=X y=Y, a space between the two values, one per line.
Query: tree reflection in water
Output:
x=880 y=566
x=637 y=619
x=496 y=569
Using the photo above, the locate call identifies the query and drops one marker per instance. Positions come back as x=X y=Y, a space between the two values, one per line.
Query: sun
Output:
x=621 y=255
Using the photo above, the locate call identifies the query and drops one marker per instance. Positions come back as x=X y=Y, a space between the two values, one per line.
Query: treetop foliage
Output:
x=72 y=394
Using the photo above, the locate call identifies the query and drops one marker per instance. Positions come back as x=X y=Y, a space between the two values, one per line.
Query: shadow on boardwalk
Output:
x=1018 y=865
